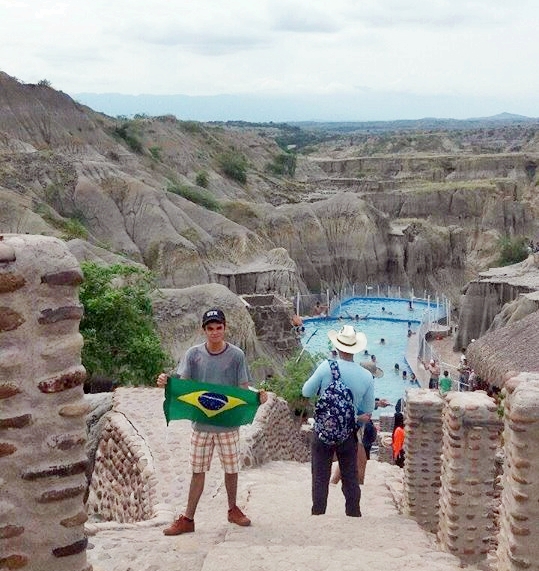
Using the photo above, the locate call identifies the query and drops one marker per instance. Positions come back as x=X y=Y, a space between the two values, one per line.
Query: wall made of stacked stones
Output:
x=471 y=432
x=518 y=547
x=42 y=411
x=122 y=488
x=423 y=448
x=273 y=322
x=274 y=435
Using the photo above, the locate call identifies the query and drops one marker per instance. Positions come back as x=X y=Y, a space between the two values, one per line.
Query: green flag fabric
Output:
x=221 y=405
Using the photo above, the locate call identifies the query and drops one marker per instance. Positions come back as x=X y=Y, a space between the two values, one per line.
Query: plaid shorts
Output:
x=228 y=448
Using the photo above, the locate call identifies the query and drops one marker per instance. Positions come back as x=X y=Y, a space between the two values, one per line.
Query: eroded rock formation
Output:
x=498 y=297
x=391 y=217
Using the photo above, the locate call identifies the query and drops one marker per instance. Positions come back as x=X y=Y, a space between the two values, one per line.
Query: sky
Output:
x=445 y=58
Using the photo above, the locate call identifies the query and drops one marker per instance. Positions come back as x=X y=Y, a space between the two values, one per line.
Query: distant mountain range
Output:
x=366 y=107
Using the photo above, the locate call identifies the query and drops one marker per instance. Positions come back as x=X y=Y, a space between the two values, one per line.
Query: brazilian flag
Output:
x=221 y=405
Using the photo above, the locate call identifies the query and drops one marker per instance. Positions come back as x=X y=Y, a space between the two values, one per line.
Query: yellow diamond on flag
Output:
x=211 y=403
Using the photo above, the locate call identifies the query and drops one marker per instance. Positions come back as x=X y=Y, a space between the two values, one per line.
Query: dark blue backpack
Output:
x=334 y=412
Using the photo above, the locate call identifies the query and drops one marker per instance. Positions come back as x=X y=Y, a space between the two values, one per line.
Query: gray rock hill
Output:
x=160 y=192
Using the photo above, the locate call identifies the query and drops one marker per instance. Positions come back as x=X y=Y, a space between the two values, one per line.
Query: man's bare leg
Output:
x=231 y=485
x=335 y=474
x=195 y=491
x=361 y=465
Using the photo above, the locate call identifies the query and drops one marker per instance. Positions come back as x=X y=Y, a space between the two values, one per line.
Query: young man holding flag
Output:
x=220 y=363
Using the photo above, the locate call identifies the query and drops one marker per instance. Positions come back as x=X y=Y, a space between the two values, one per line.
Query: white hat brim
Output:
x=373 y=369
x=360 y=344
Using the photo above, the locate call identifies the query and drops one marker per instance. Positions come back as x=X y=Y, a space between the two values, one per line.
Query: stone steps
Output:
x=283 y=535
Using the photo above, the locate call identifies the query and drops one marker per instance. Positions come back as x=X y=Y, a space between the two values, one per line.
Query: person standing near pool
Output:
x=360 y=384
x=434 y=369
x=219 y=362
x=446 y=384
x=397 y=439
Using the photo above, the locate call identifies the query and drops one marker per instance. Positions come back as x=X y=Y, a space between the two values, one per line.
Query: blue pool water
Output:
x=391 y=324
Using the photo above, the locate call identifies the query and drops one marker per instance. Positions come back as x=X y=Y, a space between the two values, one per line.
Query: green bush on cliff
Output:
x=288 y=385
x=512 y=250
x=195 y=194
x=130 y=132
x=283 y=164
x=202 y=179
x=234 y=165
x=120 y=339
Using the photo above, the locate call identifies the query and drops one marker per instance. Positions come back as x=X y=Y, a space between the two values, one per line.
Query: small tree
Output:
x=120 y=339
x=202 y=179
x=297 y=370
x=282 y=164
x=512 y=250
x=234 y=165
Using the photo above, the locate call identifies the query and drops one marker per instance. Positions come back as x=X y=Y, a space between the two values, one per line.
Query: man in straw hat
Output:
x=360 y=383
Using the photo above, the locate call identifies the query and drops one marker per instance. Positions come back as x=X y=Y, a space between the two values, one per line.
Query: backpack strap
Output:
x=334 y=366
x=335 y=373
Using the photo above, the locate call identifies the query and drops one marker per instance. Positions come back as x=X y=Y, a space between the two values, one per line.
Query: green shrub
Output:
x=297 y=370
x=73 y=228
x=156 y=153
x=202 y=179
x=129 y=132
x=192 y=127
x=196 y=195
x=120 y=339
x=512 y=250
x=283 y=164
x=234 y=165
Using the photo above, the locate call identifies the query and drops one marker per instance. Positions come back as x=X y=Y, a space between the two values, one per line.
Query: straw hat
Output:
x=372 y=368
x=348 y=340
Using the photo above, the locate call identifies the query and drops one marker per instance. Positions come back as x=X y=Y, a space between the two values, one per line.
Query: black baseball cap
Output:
x=215 y=315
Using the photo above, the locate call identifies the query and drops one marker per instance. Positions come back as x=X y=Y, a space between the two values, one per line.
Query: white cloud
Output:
x=445 y=47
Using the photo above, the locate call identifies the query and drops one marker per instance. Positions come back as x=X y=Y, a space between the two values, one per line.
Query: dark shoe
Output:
x=181 y=525
x=355 y=514
x=235 y=515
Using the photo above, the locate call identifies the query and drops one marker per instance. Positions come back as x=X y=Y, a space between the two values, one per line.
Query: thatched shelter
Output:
x=507 y=351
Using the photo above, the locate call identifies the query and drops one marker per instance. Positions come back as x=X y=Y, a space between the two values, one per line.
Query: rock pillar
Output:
x=272 y=316
x=42 y=412
x=423 y=447
x=518 y=547
x=471 y=433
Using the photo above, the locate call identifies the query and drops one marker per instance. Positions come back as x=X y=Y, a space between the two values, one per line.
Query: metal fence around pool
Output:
x=330 y=302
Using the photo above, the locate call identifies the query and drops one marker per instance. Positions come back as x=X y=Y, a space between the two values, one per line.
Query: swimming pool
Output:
x=387 y=319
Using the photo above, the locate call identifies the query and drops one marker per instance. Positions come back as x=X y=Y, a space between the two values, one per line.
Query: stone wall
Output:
x=122 y=488
x=42 y=415
x=272 y=316
x=518 y=547
x=423 y=449
x=274 y=435
x=471 y=432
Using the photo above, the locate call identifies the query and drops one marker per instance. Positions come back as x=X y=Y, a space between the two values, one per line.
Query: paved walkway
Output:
x=283 y=535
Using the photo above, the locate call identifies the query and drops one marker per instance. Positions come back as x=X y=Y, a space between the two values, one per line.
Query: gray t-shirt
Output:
x=226 y=368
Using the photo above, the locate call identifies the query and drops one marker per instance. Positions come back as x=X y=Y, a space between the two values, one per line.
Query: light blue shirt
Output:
x=354 y=376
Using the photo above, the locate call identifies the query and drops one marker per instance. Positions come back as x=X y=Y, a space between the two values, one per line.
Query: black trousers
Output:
x=321 y=460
